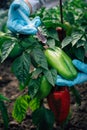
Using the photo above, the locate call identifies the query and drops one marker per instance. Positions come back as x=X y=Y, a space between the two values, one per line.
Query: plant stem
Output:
x=61 y=31
x=61 y=12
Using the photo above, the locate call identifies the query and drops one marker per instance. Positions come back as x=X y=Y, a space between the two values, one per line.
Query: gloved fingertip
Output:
x=75 y=61
x=81 y=66
x=36 y=21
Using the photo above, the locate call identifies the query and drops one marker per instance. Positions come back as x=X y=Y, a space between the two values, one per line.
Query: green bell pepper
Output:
x=44 y=89
x=59 y=60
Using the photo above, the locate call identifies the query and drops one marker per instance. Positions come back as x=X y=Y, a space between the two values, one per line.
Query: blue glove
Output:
x=18 y=18
x=81 y=77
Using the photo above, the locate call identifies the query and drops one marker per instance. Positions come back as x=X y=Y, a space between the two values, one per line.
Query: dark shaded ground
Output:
x=9 y=87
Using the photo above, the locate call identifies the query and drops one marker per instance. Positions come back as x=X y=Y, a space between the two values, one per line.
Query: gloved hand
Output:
x=18 y=17
x=81 y=77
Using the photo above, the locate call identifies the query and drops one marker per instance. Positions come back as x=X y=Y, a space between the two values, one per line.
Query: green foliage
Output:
x=33 y=87
x=43 y=118
x=21 y=106
x=52 y=33
x=4 y=37
x=3 y=98
x=51 y=76
x=77 y=95
x=39 y=57
x=6 y=49
x=76 y=12
x=9 y=46
x=36 y=73
x=21 y=67
x=73 y=39
x=51 y=43
x=76 y=43
x=4 y=112
x=34 y=104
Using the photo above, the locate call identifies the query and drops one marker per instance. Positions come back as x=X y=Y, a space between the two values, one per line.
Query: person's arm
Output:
x=81 y=77
x=36 y=4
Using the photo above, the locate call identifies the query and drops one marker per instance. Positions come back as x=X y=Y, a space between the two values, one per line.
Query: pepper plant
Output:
x=31 y=67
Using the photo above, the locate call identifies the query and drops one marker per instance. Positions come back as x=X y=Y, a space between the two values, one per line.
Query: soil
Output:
x=9 y=87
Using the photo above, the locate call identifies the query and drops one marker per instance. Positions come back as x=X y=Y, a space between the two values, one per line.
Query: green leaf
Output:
x=51 y=43
x=54 y=74
x=70 y=17
x=36 y=73
x=75 y=38
x=85 y=47
x=53 y=34
x=79 y=53
x=4 y=113
x=34 y=104
x=80 y=43
x=51 y=76
x=20 y=107
x=49 y=23
x=6 y=49
x=39 y=57
x=67 y=40
x=76 y=94
x=4 y=38
x=29 y=42
x=33 y=87
x=2 y=98
x=43 y=118
x=21 y=67
x=21 y=86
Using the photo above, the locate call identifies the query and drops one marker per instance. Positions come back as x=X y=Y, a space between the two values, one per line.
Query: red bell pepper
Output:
x=59 y=103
